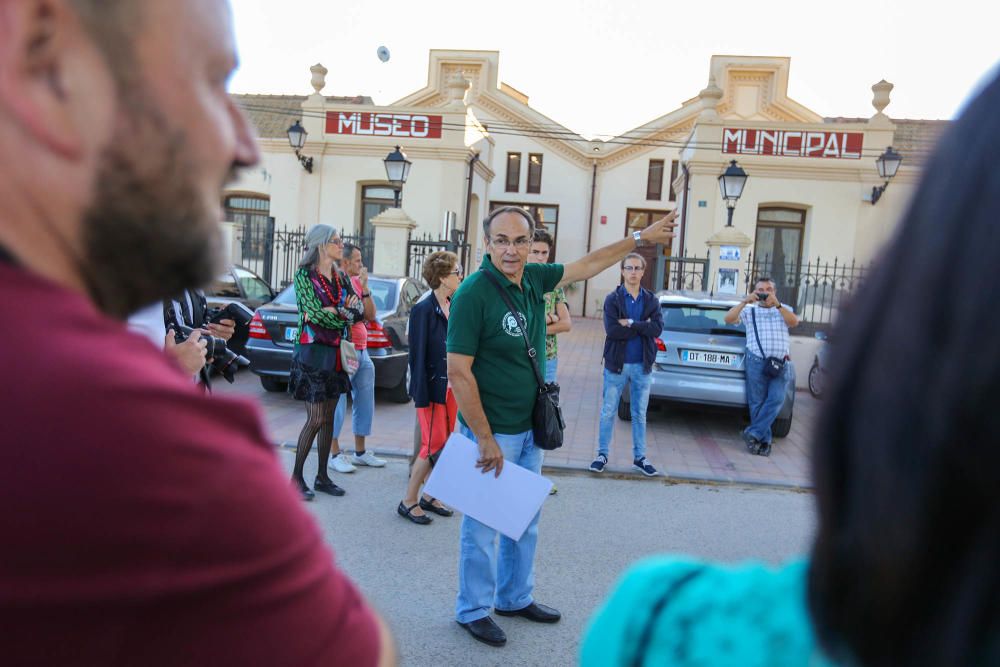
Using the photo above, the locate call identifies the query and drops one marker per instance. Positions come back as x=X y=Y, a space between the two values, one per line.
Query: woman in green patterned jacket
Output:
x=327 y=306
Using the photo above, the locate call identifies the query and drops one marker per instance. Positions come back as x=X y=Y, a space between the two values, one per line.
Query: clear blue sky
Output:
x=602 y=67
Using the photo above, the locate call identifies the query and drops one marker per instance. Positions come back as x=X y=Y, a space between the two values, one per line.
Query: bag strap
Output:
x=753 y=316
x=521 y=325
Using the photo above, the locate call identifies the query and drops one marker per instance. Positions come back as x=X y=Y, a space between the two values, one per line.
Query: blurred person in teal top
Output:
x=904 y=568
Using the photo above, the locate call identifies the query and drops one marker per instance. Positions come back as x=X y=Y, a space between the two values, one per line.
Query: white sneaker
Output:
x=341 y=463
x=367 y=459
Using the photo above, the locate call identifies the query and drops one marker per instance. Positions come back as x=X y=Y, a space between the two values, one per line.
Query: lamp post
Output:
x=297 y=139
x=397 y=170
x=731 y=183
x=887 y=165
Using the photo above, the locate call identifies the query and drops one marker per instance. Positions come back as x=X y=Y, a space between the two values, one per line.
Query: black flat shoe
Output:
x=431 y=507
x=300 y=486
x=326 y=486
x=486 y=631
x=538 y=613
x=407 y=513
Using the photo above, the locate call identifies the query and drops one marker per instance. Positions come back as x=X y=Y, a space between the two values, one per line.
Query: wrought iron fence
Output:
x=686 y=273
x=417 y=249
x=816 y=289
x=274 y=254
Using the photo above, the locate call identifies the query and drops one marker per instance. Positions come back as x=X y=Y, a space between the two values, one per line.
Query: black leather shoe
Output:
x=304 y=491
x=753 y=444
x=327 y=486
x=765 y=449
x=407 y=513
x=538 y=613
x=431 y=507
x=486 y=631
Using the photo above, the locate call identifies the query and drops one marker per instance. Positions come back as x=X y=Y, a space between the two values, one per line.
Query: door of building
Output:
x=637 y=219
x=777 y=250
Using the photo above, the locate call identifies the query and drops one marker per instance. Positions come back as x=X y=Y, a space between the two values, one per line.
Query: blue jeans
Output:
x=551 y=365
x=614 y=384
x=765 y=396
x=363 y=399
x=483 y=580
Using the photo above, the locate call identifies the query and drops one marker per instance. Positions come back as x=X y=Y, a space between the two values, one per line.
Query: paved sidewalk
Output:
x=684 y=443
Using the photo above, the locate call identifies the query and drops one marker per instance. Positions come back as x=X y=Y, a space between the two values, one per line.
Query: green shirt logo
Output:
x=511 y=326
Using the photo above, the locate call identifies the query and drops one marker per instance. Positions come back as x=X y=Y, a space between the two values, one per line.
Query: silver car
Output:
x=700 y=358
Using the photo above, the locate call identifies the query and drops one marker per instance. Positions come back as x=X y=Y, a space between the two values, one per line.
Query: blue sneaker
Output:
x=599 y=463
x=645 y=467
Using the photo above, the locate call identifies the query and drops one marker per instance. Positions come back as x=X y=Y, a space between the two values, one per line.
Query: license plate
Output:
x=291 y=334
x=710 y=358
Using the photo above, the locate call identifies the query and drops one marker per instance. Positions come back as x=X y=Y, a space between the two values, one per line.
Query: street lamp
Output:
x=731 y=183
x=887 y=165
x=297 y=139
x=397 y=170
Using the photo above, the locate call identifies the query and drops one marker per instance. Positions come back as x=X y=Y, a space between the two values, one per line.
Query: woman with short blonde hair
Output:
x=436 y=407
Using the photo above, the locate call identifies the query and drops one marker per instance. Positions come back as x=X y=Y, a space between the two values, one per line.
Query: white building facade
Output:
x=476 y=143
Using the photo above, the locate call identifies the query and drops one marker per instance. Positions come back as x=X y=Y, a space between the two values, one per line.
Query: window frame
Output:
x=532 y=208
x=654 y=194
x=536 y=187
x=675 y=167
x=513 y=185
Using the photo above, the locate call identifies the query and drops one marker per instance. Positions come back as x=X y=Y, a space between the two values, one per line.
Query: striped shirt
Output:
x=772 y=329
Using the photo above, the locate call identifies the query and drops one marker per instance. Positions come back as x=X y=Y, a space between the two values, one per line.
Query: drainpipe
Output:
x=684 y=217
x=590 y=229
x=468 y=211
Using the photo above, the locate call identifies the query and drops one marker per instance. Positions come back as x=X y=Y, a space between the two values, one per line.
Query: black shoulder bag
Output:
x=773 y=366
x=547 y=423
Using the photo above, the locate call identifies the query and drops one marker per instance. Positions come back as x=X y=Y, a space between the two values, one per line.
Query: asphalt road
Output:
x=589 y=532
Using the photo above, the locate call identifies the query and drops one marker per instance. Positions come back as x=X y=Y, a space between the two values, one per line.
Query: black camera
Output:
x=224 y=360
x=239 y=314
x=762 y=296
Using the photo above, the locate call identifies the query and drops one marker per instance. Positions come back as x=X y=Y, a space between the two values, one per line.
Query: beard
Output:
x=147 y=235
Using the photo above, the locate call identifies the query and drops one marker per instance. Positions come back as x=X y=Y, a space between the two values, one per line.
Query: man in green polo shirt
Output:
x=495 y=388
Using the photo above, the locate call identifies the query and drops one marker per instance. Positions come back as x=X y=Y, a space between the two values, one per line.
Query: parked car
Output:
x=237 y=283
x=273 y=331
x=700 y=358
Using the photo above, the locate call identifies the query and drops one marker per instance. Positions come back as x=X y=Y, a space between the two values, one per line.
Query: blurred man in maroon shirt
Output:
x=141 y=522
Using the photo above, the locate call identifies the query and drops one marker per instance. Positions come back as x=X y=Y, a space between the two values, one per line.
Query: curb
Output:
x=627 y=475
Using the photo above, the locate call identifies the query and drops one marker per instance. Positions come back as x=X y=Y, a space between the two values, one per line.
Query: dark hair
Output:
x=349 y=249
x=905 y=565
x=438 y=266
x=542 y=236
x=764 y=279
x=634 y=255
x=113 y=25
x=497 y=212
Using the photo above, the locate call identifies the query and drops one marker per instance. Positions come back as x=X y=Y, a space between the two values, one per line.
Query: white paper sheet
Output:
x=506 y=503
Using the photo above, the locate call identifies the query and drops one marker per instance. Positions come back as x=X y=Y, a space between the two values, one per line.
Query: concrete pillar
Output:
x=231 y=248
x=727 y=255
x=392 y=229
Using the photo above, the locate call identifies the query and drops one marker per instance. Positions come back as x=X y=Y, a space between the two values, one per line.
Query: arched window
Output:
x=374 y=200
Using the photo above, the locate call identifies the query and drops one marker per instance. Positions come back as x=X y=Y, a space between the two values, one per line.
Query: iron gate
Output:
x=417 y=250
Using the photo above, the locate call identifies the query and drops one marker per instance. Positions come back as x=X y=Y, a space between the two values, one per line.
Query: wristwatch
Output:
x=637 y=235
x=630 y=321
x=366 y=295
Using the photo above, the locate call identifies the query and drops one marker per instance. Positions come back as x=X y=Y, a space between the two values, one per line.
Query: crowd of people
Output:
x=141 y=528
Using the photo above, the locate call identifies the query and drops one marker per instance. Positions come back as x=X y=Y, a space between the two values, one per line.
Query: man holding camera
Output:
x=767 y=322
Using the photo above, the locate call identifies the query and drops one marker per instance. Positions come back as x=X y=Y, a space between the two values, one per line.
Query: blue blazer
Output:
x=428 y=353
x=649 y=327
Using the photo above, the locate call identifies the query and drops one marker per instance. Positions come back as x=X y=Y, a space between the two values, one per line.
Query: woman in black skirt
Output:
x=327 y=306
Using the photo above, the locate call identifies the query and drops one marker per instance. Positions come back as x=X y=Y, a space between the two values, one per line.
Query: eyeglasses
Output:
x=336 y=241
x=456 y=272
x=503 y=244
x=632 y=269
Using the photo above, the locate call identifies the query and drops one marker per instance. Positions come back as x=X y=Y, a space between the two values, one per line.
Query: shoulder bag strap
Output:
x=522 y=325
x=753 y=316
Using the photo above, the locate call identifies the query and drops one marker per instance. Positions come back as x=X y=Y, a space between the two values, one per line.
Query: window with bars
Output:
x=513 y=172
x=252 y=213
x=534 y=173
